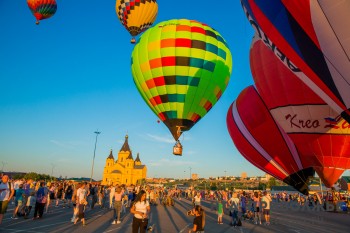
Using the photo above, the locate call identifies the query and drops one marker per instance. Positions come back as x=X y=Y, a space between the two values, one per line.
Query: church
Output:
x=124 y=170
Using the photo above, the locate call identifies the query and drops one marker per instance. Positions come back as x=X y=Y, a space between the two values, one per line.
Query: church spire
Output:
x=125 y=146
x=111 y=155
x=137 y=158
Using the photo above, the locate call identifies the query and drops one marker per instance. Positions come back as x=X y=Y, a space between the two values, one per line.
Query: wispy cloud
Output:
x=67 y=145
x=161 y=139
x=169 y=163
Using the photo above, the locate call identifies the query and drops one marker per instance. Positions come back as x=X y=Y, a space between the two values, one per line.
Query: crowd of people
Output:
x=33 y=199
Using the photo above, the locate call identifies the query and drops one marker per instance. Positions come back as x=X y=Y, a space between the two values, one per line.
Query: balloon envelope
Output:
x=135 y=15
x=321 y=136
x=181 y=68
x=313 y=35
x=42 y=9
x=262 y=142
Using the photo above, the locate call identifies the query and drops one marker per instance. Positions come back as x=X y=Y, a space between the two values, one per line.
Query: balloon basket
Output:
x=133 y=41
x=177 y=149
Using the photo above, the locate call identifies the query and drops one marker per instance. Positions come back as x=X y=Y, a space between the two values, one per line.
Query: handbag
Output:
x=42 y=199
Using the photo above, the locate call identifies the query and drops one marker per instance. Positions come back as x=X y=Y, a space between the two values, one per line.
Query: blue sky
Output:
x=69 y=76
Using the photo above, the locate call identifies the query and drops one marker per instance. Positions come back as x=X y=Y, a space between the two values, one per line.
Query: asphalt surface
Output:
x=174 y=219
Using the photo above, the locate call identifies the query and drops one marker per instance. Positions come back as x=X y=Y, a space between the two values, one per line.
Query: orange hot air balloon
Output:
x=42 y=9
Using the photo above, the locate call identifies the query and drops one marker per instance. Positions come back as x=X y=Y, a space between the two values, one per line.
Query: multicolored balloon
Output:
x=181 y=68
x=136 y=15
x=313 y=36
x=42 y=9
x=262 y=142
x=321 y=135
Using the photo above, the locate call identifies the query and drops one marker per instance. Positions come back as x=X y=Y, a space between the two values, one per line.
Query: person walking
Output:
x=140 y=210
x=6 y=193
x=118 y=196
x=41 y=199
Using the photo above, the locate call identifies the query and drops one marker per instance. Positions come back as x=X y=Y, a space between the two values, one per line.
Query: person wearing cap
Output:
x=6 y=193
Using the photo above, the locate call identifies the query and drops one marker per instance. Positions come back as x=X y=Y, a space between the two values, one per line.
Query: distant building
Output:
x=244 y=175
x=194 y=176
x=124 y=170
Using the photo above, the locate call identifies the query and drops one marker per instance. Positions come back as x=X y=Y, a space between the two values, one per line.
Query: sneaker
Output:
x=118 y=222
x=221 y=223
x=113 y=222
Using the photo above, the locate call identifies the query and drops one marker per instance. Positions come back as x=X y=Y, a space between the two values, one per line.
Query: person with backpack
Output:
x=234 y=206
x=41 y=199
x=6 y=193
x=68 y=195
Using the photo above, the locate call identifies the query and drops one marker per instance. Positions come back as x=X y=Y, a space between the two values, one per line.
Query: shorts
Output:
x=257 y=209
x=19 y=203
x=3 y=206
x=68 y=197
x=266 y=211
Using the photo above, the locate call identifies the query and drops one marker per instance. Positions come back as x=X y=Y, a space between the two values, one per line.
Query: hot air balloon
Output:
x=313 y=35
x=136 y=15
x=181 y=68
x=321 y=135
x=262 y=142
x=42 y=9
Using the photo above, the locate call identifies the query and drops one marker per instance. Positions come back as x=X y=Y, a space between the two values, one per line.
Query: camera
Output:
x=190 y=213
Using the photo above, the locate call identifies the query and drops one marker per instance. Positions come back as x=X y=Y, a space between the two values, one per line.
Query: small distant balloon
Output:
x=42 y=9
x=136 y=16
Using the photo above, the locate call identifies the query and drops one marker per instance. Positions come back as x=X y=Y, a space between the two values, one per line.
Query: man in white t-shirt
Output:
x=266 y=200
x=81 y=193
x=197 y=199
x=6 y=193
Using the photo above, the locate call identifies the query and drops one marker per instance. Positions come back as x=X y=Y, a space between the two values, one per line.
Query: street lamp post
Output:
x=93 y=159
x=190 y=172
x=53 y=166
x=3 y=165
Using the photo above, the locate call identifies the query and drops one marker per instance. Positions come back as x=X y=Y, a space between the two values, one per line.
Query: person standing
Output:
x=234 y=206
x=6 y=193
x=111 y=196
x=140 y=210
x=198 y=221
x=197 y=199
x=266 y=200
x=220 y=211
x=257 y=203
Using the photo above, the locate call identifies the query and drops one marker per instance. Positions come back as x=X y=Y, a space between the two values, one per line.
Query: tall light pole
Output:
x=93 y=159
x=3 y=165
x=190 y=172
x=53 y=166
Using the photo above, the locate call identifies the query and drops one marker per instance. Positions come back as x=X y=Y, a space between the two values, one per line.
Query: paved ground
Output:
x=174 y=219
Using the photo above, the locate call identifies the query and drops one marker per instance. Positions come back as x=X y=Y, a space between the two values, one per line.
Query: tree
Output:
x=272 y=182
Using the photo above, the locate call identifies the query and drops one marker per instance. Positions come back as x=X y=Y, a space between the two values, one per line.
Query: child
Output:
x=30 y=203
x=81 y=214
x=124 y=203
x=220 y=211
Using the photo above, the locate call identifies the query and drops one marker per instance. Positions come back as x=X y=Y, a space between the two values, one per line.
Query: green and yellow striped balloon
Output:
x=181 y=68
